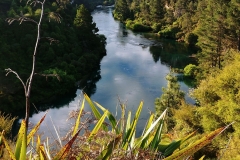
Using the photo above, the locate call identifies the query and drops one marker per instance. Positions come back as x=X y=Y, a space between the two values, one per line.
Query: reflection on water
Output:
x=133 y=70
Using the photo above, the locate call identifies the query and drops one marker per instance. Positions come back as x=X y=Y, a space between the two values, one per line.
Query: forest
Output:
x=214 y=28
x=70 y=47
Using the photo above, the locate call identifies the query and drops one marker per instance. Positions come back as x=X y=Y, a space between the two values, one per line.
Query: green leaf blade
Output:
x=78 y=118
x=98 y=126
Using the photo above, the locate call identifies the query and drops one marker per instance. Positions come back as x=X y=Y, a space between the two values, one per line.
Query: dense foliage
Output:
x=171 y=98
x=68 y=48
x=91 y=4
x=212 y=26
x=211 y=22
x=218 y=96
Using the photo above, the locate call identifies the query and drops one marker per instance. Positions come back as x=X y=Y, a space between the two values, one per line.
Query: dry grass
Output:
x=6 y=122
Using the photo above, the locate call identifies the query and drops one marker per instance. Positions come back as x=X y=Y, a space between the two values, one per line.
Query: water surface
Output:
x=133 y=70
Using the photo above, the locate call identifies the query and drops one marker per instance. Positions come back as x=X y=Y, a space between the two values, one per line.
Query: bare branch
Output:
x=21 y=19
x=34 y=2
x=52 y=40
x=9 y=70
x=49 y=75
x=54 y=16
x=29 y=84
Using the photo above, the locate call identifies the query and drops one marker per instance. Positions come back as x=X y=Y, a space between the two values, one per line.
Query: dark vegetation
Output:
x=214 y=28
x=91 y=4
x=74 y=54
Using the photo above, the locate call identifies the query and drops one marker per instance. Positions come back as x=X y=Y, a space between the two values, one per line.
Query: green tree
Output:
x=83 y=20
x=121 y=10
x=157 y=10
x=211 y=31
x=219 y=99
x=190 y=70
x=171 y=98
x=233 y=22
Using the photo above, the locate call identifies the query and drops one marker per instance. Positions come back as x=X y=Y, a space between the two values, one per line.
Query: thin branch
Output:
x=51 y=40
x=9 y=70
x=35 y=52
x=21 y=19
x=55 y=16
x=35 y=2
x=49 y=75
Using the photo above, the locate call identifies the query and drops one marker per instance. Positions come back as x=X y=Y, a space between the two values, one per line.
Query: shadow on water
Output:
x=127 y=71
x=166 y=54
x=11 y=102
x=87 y=84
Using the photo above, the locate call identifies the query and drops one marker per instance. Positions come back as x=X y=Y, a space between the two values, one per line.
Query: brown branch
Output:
x=49 y=75
x=51 y=40
x=9 y=70
x=35 y=2
x=21 y=19
x=55 y=16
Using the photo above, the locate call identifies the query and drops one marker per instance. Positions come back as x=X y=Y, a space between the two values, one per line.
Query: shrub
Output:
x=6 y=122
x=169 y=32
x=190 y=70
x=137 y=26
x=156 y=27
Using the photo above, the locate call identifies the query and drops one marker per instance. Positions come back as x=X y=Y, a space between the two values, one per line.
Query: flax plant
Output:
x=123 y=143
x=104 y=142
x=152 y=140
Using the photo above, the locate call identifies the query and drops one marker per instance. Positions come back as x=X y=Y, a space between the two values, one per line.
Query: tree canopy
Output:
x=73 y=51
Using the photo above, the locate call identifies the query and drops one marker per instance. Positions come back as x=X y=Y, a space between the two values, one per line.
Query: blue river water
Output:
x=132 y=71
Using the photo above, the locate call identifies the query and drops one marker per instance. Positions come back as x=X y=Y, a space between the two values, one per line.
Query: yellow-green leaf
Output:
x=92 y=106
x=110 y=117
x=35 y=129
x=21 y=141
x=130 y=132
x=150 y=127
x=42 y=153
x=94 y=110
x=24 y=146
x=78 y=119
x=105 y=154
x=10 y=152
x=98 y=126
x=196 y=146
x=64 y=151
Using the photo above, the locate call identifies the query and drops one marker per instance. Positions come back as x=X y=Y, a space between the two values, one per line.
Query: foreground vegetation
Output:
x=109 y=139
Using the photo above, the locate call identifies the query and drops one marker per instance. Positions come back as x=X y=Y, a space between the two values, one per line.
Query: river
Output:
x=133 y=70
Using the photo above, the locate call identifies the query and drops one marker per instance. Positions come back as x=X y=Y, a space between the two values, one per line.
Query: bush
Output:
x=156 y=27
x=190 y=70
x=169 y=32
x=6 y=122
x=137 y=26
